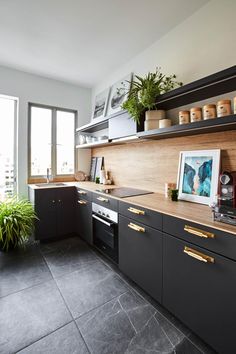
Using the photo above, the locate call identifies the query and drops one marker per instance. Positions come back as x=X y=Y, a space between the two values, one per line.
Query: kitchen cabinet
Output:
x=55 y=208
x=199 y=288
x=121 y=125
x=140 y=255
x=84 y=215
x=105 y=201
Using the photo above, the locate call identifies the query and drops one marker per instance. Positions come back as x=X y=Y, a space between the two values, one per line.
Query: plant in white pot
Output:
x=143 y=96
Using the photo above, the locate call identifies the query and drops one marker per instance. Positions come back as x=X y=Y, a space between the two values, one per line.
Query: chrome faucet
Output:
x=48 y=175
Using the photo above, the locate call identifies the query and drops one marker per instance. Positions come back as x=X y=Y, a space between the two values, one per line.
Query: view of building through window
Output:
x=52 y=133
x=7 y=139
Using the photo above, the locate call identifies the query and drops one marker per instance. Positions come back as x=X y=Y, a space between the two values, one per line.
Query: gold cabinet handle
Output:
x=82 y=192
x=82 y=202
x=198 y=255
x=197 y=232
x=136 y=227
x=136 y=211
x=103 y=199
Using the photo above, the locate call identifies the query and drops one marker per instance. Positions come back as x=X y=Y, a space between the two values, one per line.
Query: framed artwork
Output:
x=118 y=94
x=93 y=169
x=98 y=166
x=198 y=176
x=100 y=104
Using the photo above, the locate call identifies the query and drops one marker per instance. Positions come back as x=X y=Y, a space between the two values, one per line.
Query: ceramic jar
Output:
x=183 y=117
x=223 y=108
x=164 y=123
x=195 y=114
x=209 y=111
x=156 y=114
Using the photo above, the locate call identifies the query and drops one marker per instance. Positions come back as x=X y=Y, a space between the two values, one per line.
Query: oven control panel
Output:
x=105 y=212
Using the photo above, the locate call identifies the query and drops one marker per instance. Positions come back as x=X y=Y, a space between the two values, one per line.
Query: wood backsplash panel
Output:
x=149 y=164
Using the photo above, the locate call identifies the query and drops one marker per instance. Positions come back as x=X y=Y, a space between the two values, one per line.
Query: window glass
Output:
x=41 y=137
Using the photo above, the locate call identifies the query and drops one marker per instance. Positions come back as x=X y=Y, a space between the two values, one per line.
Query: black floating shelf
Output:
x=213 y=85
x=202 y=127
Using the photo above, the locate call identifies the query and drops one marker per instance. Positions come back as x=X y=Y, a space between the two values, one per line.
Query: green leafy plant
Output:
x=144 y=92
x=17 y=218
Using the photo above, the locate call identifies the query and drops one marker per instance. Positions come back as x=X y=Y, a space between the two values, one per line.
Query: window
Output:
x=51 y=141
x=8 y=114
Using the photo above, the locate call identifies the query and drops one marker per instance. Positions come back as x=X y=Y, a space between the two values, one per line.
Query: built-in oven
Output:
x=105 y=231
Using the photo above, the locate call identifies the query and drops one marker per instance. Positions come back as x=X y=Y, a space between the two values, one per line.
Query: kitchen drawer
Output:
x=201 y=291
x=140 y=214
x=105 y=201
x=83 y=194
x=140 y=255
x=209 y=238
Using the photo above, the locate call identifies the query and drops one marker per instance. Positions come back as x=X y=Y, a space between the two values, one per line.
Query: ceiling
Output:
x=83 y=41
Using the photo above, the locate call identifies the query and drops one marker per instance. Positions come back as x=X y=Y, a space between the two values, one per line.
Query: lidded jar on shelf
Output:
x=209 y=111
x=195 y=114
x=223 y=108
x=184 y=117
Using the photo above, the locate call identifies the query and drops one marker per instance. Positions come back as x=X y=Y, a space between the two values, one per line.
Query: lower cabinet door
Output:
x=199 y=287
x=140 y=255
x=84 y=220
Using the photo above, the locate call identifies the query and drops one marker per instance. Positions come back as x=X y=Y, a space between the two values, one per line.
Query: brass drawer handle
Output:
x=82 y=192
x=198 y=232
x=103 y=199
x=136 y=211
x=82 y=202
x=198 y=255
x=136 y=227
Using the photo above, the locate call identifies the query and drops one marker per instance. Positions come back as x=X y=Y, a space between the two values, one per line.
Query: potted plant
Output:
x=17 y=218
x=144 y=92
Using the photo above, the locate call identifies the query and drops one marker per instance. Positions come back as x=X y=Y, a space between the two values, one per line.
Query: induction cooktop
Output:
x=123 y=192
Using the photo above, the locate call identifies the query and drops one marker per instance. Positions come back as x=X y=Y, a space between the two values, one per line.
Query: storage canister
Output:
x=183 y=117
x=209 y=111
x=223 y=108
x=195 y=114
x=164 y=123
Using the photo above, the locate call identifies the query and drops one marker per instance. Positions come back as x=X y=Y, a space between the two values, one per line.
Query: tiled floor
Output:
x=65 y=298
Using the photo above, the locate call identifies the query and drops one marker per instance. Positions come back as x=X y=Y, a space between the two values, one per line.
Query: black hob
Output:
x=123 y=192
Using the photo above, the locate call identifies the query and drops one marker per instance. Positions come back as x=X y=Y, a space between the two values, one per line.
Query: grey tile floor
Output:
x=64 y=298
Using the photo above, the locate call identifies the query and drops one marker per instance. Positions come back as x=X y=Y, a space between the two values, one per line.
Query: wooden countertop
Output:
x=193 y=212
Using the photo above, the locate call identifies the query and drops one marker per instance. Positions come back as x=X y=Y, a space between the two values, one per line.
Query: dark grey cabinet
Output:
x=199 y=288
x=84 y=219
x=55 y=208
x=140 y=255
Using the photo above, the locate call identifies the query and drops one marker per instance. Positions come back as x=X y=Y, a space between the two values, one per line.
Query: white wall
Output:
x=201 y=45
x=32 y=88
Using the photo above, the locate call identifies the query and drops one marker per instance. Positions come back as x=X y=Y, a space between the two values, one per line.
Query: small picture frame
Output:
x=198 y=176
x=118 y=95
x=99 y=165
x=93 y=169
x=100 y=104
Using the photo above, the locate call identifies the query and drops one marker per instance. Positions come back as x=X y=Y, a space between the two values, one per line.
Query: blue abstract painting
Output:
x=197 y=175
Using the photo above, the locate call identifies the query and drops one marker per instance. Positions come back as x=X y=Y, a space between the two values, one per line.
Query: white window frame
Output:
x=53 y=140
x=15 y=138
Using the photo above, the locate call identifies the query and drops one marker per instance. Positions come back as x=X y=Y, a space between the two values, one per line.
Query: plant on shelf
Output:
x=145 y=90
x=17 y=218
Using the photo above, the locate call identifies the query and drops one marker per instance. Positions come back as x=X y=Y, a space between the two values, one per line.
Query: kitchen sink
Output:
x=48 y=185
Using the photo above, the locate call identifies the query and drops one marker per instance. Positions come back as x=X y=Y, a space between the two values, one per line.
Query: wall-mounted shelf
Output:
x=103 y=143
x=213 y=85
x=205 y=126
x=95 y=126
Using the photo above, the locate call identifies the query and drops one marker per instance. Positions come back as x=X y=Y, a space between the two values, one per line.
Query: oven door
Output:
x=105 y=236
